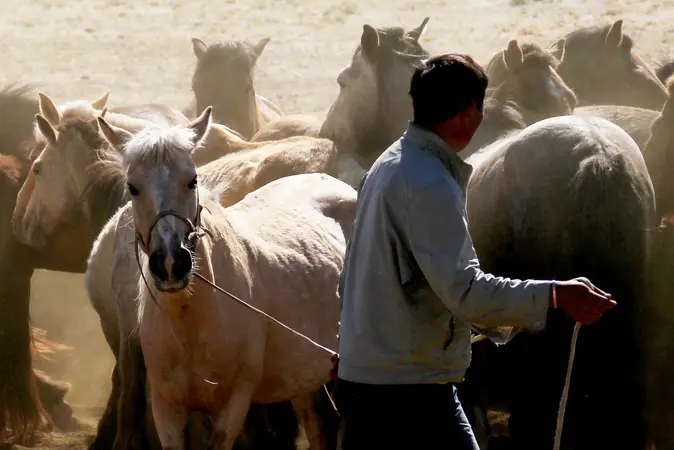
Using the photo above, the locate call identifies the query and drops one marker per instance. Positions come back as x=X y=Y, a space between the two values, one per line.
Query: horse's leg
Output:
x=170 y=421
x=310 y=419
x=107 y=426
x=132 y=401
x=229 y=420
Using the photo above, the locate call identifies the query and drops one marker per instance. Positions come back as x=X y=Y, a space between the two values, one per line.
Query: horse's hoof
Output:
x=61 y=414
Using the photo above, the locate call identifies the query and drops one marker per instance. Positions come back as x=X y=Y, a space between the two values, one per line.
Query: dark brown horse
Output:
x=567 y=197
x=658 y=364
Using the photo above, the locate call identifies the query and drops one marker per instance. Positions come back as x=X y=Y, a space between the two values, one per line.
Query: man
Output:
x=412 y=285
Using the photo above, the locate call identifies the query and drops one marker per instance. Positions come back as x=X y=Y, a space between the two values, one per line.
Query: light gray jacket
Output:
x=412 y=285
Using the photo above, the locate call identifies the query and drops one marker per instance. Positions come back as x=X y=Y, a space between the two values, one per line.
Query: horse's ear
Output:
x=259 y=47
x=557 y=49
x=419 y=31
x=49 y=110
x=101 y=102
x=94 y=122
x=46 y=129
x=115 y=136
x=199 y=47
x=614 y=35
x=513 y=56
x=369 y=40
x=560 y=50
x=200 y=124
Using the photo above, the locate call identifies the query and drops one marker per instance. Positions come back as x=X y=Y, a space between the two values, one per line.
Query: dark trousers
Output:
x=417 y=416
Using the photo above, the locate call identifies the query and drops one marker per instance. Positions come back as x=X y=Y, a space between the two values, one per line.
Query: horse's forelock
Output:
x=158 y=145
x=535 y=55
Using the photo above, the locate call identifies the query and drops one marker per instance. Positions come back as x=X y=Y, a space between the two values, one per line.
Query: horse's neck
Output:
x=244 y=120
x=393 y=114
x=102 y=199
x=229 y=143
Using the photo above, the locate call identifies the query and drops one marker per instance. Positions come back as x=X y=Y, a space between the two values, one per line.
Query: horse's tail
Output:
x=611 y=234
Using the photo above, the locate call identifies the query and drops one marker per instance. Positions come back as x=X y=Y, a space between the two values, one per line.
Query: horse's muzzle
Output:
x=171 y=270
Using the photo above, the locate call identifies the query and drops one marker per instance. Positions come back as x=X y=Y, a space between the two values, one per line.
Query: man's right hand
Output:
x=581 y=302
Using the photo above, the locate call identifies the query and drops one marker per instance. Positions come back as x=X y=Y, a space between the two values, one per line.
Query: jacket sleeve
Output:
x=440 y=242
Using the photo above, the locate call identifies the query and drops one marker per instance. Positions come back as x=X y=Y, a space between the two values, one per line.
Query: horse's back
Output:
x=288 y=126
x=314 y=191
x=635 y=121
x=297 y=155
x=156 y=113
x=560 y=172
x=290 y=206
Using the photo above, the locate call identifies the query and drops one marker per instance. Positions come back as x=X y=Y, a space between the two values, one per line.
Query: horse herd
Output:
x=571 y=179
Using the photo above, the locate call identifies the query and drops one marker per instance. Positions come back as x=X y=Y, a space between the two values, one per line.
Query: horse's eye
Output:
x=193 y=183
x=36 y=169
x=132 y=190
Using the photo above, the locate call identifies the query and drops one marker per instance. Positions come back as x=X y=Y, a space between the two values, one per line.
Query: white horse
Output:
x=280 y=249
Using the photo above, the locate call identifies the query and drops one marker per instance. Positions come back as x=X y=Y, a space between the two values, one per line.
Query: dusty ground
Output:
x=141 y=52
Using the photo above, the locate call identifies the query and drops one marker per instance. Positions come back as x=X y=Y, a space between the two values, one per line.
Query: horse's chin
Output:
x=171 y=286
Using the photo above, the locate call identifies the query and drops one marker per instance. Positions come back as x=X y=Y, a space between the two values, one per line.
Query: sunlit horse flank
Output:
x=282 y=256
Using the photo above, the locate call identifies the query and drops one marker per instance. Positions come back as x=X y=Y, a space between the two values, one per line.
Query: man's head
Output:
x=447 y=95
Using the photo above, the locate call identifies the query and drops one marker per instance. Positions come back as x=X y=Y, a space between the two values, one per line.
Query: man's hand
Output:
x=581 y=302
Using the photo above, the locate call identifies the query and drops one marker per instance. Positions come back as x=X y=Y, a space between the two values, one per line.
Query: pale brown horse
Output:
x=105 y=237
x=224 y=79
x=21 y=390
x=20 y=406
x=373 y=106
x=602 y=67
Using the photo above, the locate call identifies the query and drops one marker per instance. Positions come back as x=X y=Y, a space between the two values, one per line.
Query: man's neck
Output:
x=455 y=143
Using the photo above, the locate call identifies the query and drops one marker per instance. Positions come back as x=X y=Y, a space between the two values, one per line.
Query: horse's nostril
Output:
x=157 y=264
x=183 y=264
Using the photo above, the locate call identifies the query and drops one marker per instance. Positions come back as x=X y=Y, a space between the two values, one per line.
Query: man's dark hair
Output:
x=445 y=85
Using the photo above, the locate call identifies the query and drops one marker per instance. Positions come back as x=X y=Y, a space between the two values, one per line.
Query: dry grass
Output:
x=141 y=51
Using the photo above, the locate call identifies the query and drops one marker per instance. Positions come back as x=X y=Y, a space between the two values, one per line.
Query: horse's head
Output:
x=54 y=185
x=162 y=181
x=602 y=67
x=373 y=105
x=525 y=74
x=224 y=77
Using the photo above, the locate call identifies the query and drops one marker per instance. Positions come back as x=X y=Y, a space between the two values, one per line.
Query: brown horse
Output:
x=21 y=391
x=527 y=75
x=658 y=365
x=602 y=67
x=224 y=78
x=566 y=197
x=525 y=89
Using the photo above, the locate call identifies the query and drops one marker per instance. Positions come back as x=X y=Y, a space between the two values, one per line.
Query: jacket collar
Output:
x=431 y=142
